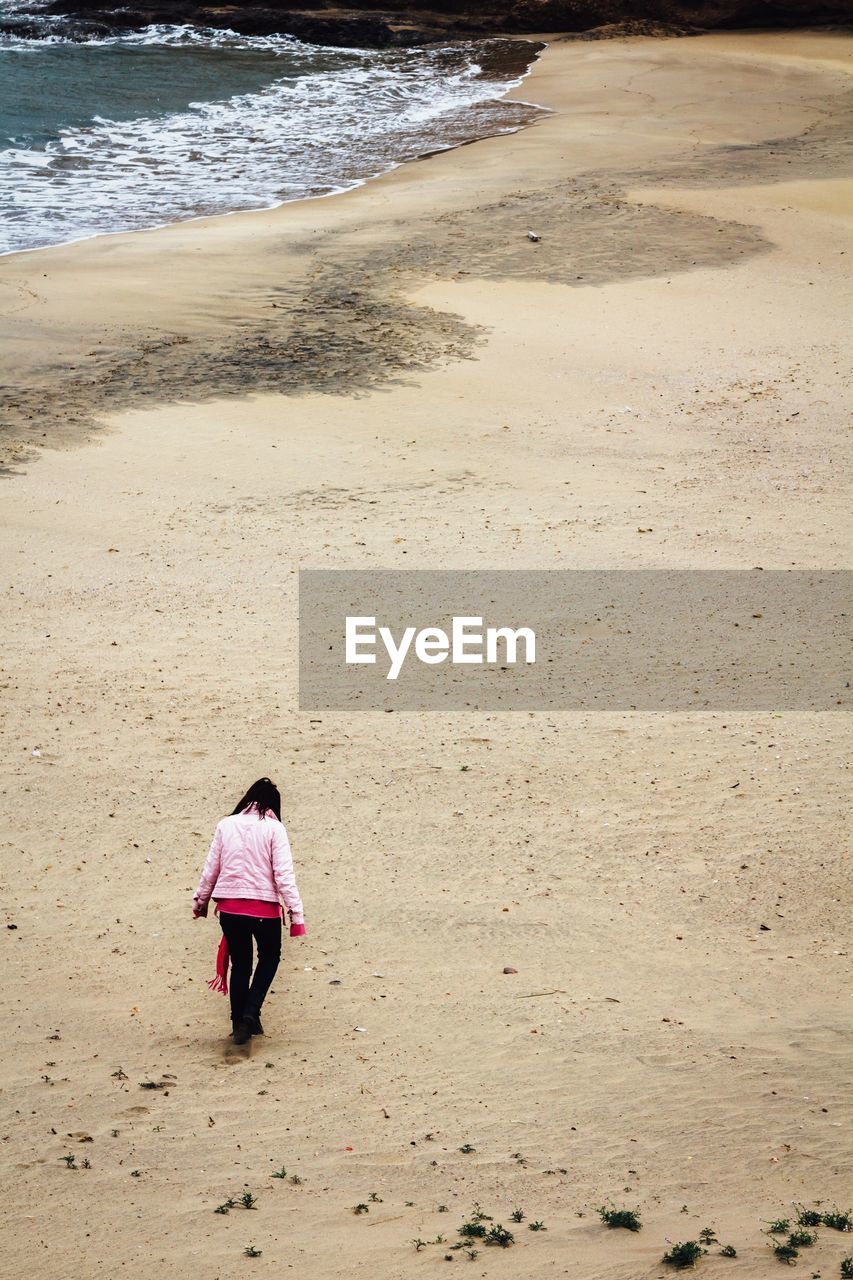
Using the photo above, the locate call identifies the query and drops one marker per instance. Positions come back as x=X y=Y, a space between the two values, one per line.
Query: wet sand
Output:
x=398 y=377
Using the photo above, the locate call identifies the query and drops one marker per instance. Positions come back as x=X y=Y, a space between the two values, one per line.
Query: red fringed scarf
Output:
x=220 y=982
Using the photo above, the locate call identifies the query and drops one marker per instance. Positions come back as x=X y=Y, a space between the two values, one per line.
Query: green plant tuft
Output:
x=627 y=1218
x=802 y=1239
x=499 y=1236
x=683 y=1255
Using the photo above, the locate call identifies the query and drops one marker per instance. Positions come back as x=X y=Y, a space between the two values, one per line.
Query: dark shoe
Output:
x=254 y=1022
x=242 y=1031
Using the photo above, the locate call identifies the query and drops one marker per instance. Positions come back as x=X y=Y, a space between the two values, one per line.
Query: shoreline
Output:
x=324 y=195
x=538 y=39
x=583 y=958
x=87 y=400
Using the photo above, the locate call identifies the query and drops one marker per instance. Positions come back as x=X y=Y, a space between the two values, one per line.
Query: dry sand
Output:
x=399 y=378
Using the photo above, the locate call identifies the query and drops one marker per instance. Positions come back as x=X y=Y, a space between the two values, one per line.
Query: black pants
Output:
x=247 y=991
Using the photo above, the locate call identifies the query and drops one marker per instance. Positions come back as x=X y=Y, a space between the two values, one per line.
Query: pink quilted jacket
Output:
x=250 y=858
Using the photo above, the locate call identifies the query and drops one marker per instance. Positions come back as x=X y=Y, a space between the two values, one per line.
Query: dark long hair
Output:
x=262 y=795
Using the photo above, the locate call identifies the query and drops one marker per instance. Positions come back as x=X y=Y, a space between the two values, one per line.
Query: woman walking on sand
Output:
x=248 y=869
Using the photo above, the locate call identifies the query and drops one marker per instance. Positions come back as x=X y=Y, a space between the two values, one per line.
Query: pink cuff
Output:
x=297 y=930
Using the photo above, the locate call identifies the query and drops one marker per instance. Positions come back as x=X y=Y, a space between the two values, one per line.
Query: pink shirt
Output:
x=249 y=907
x=259 y=909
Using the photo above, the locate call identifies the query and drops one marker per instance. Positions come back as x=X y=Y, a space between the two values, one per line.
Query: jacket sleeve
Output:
x=285 y=878
x=210 y=870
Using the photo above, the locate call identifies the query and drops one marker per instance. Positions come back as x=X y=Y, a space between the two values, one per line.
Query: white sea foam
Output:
x=307 y=132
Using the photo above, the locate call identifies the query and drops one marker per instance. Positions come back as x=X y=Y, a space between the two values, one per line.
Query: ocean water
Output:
x=113 y=134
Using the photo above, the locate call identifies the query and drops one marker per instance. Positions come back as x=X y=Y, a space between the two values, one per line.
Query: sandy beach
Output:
x=398 y=377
